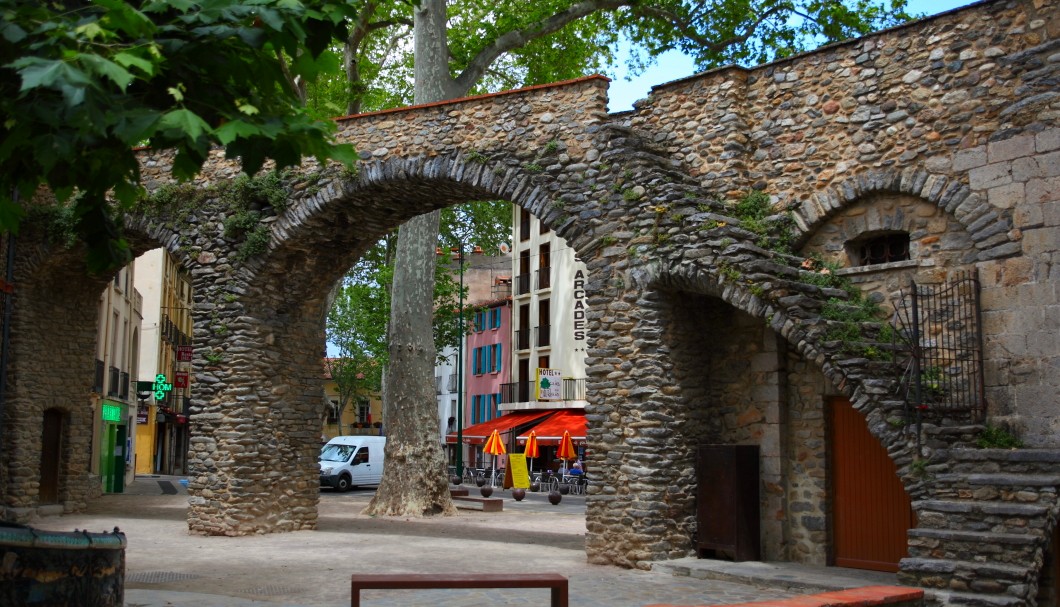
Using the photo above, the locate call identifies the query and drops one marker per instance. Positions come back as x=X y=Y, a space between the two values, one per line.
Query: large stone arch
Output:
x=259 y=322
x=647 y=426
x=958 y=111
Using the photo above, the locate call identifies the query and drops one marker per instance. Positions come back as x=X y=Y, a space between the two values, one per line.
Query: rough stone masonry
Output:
x=701 y=329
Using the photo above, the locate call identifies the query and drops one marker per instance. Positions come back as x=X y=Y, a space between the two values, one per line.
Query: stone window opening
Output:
x=879 y=248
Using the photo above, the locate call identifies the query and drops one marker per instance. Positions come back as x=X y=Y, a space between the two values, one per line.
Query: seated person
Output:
x=562 y=469
x=576 y=469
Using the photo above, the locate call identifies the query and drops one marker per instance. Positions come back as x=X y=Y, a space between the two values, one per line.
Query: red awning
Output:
x=550 y=431
x=478 y=433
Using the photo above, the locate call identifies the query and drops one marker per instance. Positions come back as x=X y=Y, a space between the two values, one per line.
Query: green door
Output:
x=106 y=455
x=112 y=458
x=118 y=478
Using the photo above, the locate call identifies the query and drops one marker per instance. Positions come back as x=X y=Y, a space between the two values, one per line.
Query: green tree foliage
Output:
x=749 y=32
x=376 y=63
x=82 y=83
x=356 y=328
x=357 y=320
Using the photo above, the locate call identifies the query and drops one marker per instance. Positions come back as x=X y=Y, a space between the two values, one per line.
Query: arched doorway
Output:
x=871 y=512
x=51 y=455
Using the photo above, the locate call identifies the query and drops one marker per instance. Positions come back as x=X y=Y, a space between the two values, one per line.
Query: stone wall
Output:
x=939 y=246
x=957 y=112
x=50 y=369
x=645 y=201
x=805 y=463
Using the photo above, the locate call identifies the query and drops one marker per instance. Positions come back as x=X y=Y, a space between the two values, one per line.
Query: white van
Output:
x=349 y=461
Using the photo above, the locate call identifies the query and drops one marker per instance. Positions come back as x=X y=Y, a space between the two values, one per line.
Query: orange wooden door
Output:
x=871 y=511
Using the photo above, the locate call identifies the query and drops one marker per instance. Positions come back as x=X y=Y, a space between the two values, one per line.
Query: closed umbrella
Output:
x=531 y=450
x=494 y=446
x=566 y=448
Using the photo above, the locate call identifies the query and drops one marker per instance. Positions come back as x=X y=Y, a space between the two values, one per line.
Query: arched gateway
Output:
x=941 y=135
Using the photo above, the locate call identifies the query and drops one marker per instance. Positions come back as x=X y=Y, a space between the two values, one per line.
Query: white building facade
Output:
x=548 y=318
x=113 y=395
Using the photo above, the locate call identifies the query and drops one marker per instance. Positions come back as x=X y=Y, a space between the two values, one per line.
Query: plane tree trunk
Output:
x=415 y=481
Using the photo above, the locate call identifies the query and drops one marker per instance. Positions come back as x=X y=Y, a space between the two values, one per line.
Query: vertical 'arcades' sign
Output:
x=579 y=305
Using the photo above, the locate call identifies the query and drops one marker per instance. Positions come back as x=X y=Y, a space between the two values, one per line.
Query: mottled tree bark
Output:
x=415 y=482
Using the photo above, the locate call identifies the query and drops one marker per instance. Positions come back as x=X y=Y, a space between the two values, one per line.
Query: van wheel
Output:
x=343 y=484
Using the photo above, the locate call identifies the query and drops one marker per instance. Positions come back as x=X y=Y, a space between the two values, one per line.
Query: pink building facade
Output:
x=487 y=363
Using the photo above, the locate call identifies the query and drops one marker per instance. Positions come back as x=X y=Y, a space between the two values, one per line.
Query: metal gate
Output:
x=941 y=326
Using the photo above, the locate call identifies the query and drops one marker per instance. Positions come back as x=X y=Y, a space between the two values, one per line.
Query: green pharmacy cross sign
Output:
x=161 y=387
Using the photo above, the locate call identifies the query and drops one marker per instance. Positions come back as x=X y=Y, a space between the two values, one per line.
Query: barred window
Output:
x=881 y=248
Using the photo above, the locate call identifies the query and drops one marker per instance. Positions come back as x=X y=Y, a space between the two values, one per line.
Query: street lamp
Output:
x=460 y=375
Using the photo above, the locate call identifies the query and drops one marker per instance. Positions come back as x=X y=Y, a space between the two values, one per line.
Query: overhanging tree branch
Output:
x=516 y=39
x=687 y=29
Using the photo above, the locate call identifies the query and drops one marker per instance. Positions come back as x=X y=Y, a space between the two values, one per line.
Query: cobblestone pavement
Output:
x=165 y=566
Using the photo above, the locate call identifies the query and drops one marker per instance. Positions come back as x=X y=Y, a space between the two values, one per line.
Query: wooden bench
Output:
x=424 y=581
x=489 y=504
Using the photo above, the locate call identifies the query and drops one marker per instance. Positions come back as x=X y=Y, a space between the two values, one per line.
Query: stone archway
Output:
x=259 y=329
x=713 y=361
x=988 y=227
x=646 y=199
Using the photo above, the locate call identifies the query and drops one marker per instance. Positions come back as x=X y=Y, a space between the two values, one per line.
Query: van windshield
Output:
x=336 y=453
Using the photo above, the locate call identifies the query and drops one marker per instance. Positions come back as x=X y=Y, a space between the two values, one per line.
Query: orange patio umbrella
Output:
x=494 y=446
x=566 y=448
x=531 y=450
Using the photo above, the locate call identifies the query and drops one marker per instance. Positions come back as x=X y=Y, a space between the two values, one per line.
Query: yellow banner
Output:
x=517 y=468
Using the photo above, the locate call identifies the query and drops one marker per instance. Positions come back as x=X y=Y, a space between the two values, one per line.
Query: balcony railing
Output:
x=544 y=335
x=523 y=391
x=522 y=284
x=522 y=339
x=172 y=333
x=113 y=380
x=452 y=383
x=123 y=385
x=517 y=392
x=544 y=278
x=573 y=389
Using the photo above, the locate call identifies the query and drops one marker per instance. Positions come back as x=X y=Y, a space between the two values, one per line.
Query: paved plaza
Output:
x=165 y=566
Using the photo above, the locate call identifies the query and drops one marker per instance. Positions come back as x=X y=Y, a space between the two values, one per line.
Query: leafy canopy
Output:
x=356 y=328
x=82 y=83
x=357 y=320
